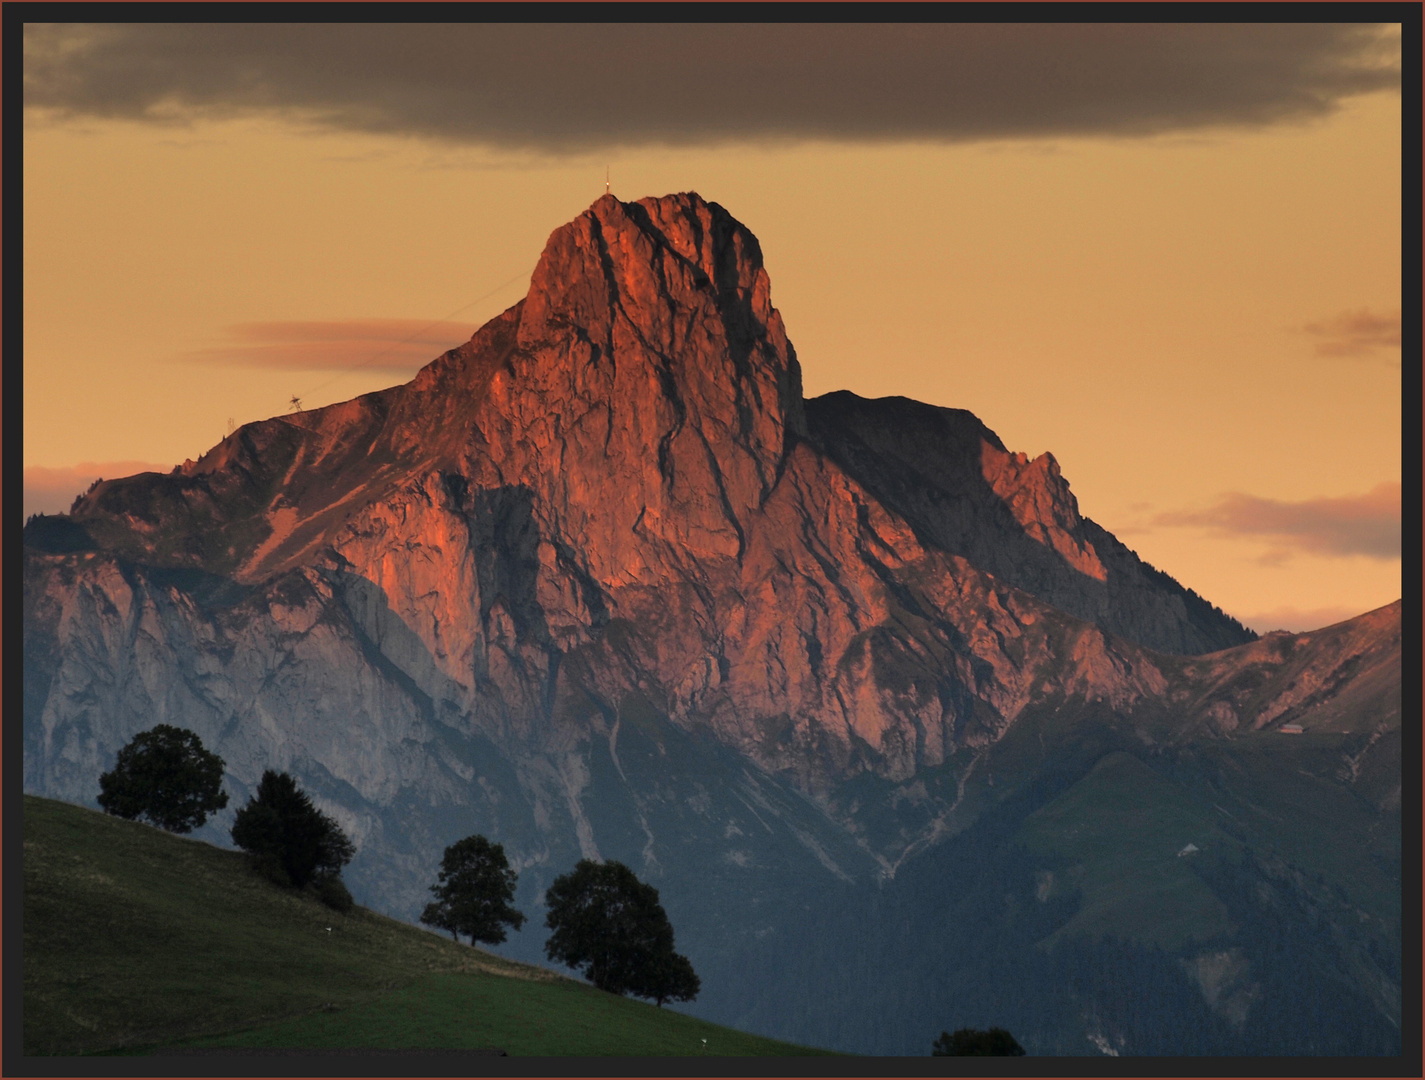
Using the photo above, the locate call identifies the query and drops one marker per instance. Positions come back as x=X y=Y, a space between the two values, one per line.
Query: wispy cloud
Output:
x=1367 y=524
x=560 y=88
x=1297 y=620
x=48 y=490
x=1357 y=333
x=397 y=345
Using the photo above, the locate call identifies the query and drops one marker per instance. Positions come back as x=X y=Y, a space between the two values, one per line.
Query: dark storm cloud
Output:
x=570 y=87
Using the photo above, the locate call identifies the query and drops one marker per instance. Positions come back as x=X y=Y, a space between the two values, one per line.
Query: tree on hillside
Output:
x=166 y=776
x=668 y=977
x=289 y=839
x=473 y=892
x=611 y=925
x=971 y=1042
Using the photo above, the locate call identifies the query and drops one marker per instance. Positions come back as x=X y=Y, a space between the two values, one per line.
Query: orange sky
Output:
x=1201 y=324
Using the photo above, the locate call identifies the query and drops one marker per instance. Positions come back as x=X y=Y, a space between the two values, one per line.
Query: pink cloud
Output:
x=1356 y=333
x=1298 y=620
x=399 y=345
x=1367 y=524
x=48 y=490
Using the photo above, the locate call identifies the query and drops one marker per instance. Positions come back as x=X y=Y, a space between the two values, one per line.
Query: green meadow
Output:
x=135 y=939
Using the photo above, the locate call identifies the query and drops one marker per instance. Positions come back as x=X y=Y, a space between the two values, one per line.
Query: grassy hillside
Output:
x=136 y=939
x=1264 y=796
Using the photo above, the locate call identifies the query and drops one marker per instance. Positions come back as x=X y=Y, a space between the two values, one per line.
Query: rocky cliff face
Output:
x=599 y=583
x=628 y=446
x=611 y=491
x=953 y=480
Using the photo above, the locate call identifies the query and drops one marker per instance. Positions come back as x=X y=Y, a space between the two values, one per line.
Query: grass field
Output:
x=135 y=939
x=460 y=1010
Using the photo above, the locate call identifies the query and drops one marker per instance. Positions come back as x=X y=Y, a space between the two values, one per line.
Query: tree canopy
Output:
x=972 y=1042
x=611 y=926
x=289 y=838
x=165 y=775
x=473 y=892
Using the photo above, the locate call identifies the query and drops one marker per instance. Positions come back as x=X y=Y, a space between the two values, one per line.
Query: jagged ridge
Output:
x=600 y=582
x=952 y=478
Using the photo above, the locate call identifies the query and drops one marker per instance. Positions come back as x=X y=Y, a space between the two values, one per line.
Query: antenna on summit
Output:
x=606 y=179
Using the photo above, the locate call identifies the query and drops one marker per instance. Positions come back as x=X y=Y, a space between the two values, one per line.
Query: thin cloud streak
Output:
x=573 y=87
x=1356 y=333
x=1366 y=524
x=49 y=490
x=396 y=345
x=1297 y=620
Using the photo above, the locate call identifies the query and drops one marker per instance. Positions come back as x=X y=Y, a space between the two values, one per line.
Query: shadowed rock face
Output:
x=600 y=583
x=614 y=489
x=628 y=448
x=953 y=480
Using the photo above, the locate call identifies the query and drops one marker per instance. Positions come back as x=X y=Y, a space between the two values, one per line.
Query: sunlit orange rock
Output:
x=615 y=491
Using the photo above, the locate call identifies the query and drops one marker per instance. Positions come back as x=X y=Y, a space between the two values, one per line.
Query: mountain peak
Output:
x=595 y=585
x=650 y=356
x=644 y=259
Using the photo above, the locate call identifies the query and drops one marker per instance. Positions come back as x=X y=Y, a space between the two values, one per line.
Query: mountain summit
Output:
x=612 y=489
x=599 y=583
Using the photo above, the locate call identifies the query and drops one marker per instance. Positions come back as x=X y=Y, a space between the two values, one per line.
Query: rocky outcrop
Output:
x=599 y=583
x=628 y=449
x=615 y=490
x=953 y=480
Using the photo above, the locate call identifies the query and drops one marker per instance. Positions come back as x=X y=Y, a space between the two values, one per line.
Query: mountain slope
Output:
x=624 y=446
x=599 y=583
x=963 y=492
x=136 y=938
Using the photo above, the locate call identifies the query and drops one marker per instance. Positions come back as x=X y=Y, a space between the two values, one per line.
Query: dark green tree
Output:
x=972 y=1042
x=473 y=892
x=611 y=926
x=166 y=776
x=668 y=977
x=288 y=838
x=332 y=891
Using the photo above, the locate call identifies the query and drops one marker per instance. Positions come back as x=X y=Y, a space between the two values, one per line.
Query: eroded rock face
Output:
x=651 y=399
x=952 y=478
x=615 y=489
x=598 y=583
